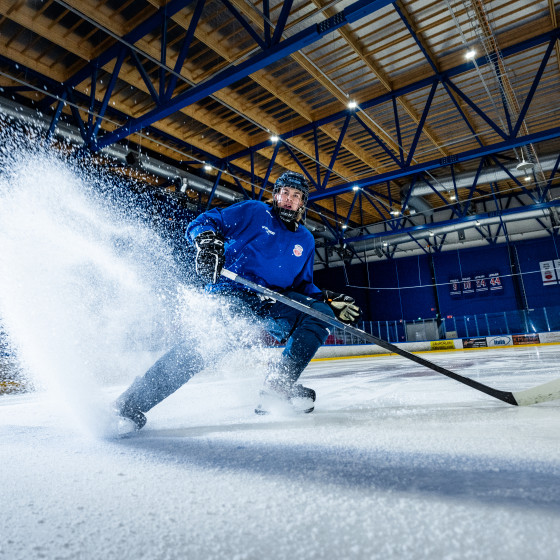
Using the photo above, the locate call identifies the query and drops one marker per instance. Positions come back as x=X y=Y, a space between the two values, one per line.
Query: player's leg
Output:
x=303 y=335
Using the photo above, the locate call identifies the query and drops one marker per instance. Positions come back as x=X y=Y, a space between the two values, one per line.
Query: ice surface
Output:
x=396 y=462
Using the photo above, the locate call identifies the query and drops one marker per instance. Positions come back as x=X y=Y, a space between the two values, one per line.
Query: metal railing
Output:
x=544 y=319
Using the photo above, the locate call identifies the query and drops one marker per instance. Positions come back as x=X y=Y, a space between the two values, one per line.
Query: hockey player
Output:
x=270 y=246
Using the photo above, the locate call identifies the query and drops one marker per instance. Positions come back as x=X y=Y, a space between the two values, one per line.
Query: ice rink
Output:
x=396 y=462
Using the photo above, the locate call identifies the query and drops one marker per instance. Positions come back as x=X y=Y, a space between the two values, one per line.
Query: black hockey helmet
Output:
x=292 y=180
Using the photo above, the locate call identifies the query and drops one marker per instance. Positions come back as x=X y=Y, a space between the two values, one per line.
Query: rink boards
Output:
x=501 y=341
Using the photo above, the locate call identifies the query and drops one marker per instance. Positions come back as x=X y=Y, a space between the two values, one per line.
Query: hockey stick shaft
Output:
x=546 y=392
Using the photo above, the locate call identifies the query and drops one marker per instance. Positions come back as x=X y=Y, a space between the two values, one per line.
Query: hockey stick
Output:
x=542 y=393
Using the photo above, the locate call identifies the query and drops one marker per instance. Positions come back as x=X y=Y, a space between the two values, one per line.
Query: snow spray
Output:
x=90 y=294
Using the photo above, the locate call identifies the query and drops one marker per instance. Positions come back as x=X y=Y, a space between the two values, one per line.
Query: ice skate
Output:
x=282 y=398
x=130 y=422
x=129 y=419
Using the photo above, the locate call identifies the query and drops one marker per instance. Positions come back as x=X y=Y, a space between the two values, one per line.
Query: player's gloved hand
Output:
x=210 y=258
x=342 y=305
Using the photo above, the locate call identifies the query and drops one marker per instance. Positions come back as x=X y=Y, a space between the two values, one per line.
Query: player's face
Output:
x=289 y=198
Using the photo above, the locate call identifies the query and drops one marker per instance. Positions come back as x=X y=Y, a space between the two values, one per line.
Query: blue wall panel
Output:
x=477 y=261
x=530 y=254
x=401 y=289
x=391 y=291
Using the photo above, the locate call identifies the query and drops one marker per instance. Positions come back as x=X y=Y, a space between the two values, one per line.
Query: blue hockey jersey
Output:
x=260 y=247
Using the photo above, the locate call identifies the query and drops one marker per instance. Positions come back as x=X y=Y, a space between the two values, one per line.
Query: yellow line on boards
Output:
x=432 y=351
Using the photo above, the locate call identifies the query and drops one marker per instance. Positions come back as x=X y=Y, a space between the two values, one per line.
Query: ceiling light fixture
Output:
x=469 y=55
x=524 y=165
x=356 y=188
x=274 y=138
x=207 y=167
x=352 y=105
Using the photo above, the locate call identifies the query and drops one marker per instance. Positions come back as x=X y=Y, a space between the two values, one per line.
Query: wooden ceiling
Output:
x=48 y=42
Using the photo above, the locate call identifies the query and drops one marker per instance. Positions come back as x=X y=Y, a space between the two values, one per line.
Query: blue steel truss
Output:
x=267 y=55
x=273 y=47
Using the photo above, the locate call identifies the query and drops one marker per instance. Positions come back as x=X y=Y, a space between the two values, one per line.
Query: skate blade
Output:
x=302 y=405
x=273 y=405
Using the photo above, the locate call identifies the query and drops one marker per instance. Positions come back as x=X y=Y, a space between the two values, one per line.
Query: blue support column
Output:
x=281 y=22
x=379 y=141
x=56 y=116
x=420 y=126
x=472 y=188
x=477 y=110
x=93 y=88
x=106 y=97
x=144 y=75
x=185 y=45
x=317 y=162
x=271 y=163
x=163 y=55
x=266 y=19
x=534 y=86
x=372 y=202
x=246 y=25
x=550 y=179
x=335 y=153
x=347 y=220
x=398 y=128
x=301 y=166
x=214 y=187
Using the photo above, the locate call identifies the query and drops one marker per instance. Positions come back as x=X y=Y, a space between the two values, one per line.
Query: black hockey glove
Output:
x=209 y=256
x=342 y=305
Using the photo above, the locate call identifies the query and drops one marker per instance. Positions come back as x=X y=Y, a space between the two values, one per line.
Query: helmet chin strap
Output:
x=288 y=216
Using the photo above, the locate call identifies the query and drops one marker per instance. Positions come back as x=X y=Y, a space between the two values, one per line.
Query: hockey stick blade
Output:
x=542 y=393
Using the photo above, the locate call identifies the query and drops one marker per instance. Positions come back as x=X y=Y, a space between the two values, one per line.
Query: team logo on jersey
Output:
x=269 y=231
x=298 y=250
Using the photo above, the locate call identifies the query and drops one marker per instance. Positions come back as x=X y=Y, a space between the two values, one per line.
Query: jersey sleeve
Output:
x=219 y=220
